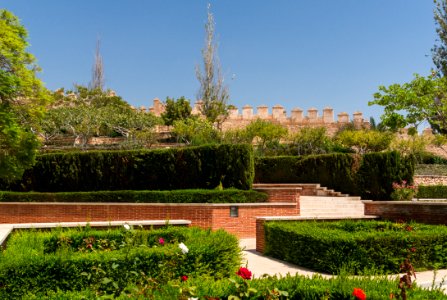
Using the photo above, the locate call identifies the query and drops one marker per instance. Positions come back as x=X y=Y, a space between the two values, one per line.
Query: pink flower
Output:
x=413 y=249
x=184 y=278
x=244 y=273
x=161 y=241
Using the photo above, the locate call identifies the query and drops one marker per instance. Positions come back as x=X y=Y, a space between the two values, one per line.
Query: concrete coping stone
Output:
x=303 y=218
x=156 y=204
x=419 y=202
x=280 y=188
x=6 y=229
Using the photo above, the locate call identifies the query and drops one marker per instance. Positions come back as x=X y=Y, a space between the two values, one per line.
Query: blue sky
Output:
x=295 y=53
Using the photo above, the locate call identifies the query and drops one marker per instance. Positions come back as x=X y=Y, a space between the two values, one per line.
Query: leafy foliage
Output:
x=432 y=191
x=203 y=167
x=179 y=109
x=311 y=140
x=195 y=131
x=111 y=260
x=439 y=52
x=356 y=246
x=265 y=133
x=409 y=104
x=175 y=196
x=370 y=176
x=22 y=98
x=365 y=141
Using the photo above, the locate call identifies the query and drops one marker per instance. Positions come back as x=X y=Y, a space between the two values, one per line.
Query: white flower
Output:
x=126 y=226
x=183 y=248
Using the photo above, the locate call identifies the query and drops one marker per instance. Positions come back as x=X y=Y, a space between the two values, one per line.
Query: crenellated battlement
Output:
x=239 y=118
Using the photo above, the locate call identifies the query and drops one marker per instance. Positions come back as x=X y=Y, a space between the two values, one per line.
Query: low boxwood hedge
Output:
x=432 y=191
x=296 y=287
x=39 y=262
x=357 y=246
x=176 y=196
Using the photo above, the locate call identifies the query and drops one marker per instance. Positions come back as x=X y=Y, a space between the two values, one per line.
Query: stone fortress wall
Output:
x=297 y=119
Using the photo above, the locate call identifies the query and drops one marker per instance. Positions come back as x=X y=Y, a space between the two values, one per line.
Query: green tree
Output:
x=179 y=109
x=364 y=141
x=410 y=104
x=213 y=92
x=265 y=133
x=195 y=131
x=311 y=140
x=22 y=99
x=439 y=52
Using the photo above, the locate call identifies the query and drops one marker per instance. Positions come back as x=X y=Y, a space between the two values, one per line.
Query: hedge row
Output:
x=297 y=287
x=204 y=167
x=432 y=191
x=176 y=196
x=43 y=262
x=369 y=176
x=356 y=246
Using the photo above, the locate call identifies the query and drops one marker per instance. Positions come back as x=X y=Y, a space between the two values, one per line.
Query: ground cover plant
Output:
x=175 y=196
x=108 y=261
x=357 y=247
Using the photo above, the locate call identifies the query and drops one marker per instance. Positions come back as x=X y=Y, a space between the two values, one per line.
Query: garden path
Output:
x=259 y=265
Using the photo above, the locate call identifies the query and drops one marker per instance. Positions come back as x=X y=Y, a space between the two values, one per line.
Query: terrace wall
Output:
x=424 y=212
x=212 y=216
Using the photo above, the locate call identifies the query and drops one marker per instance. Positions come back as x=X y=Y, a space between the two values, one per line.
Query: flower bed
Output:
x=357 y=246
x=288 y=287
x=108 y=261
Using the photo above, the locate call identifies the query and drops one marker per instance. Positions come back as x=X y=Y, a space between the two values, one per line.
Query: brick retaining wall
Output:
x=424 y=212
x=212 y=216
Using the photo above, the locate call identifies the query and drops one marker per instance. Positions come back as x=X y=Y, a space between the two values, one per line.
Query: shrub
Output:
x=370 y=176
x=356 y=246
x=176 y=196
x=63 y=260
x=432 y=191
x=330 y=170
x=378 y=171
x=184 y=168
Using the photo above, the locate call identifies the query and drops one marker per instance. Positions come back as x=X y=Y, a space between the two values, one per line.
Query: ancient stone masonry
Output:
x=240 y=118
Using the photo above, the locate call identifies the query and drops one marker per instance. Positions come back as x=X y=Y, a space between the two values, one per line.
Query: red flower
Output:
x=161 y=241
x=409 y=228
x=184 y=278
x=359 y=294
x=413 y=249
x=244 y=273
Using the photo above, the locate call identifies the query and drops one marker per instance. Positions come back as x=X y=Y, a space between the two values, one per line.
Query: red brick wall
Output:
x=424 y=212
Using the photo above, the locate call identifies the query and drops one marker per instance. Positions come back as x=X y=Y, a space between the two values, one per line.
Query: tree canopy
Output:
x=409 y=104
x=23 y=98
x=179 y=109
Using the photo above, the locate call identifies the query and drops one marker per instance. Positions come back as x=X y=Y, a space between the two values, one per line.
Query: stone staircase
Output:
x=317 y=201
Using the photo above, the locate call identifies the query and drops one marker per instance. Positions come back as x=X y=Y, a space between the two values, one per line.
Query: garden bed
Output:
x=356 y=247
x=110 y=260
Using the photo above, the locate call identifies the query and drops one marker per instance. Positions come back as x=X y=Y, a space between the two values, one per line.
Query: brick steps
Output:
x=307 y=189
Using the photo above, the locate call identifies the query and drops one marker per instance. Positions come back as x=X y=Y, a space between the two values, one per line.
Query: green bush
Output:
x=63 y=260
x=370 y=176
x=378 y=171
x=432 y=191
x=176 y=196
x=203 y=167
x=356 y=246
x=297 y=287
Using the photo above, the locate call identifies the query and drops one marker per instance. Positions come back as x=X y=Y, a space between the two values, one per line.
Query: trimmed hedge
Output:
x=370 y=176
x=432 y=191
x=356 y=246
x=177 y=196
x=51 y=261
x=204 y=167
x=297 y=287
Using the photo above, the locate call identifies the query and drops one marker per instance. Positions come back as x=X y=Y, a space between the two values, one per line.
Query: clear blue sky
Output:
x=295 y=53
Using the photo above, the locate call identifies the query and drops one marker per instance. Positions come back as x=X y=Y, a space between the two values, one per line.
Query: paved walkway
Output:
x=260 y=265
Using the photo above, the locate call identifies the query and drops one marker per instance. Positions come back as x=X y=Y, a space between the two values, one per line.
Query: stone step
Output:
x=307 y=189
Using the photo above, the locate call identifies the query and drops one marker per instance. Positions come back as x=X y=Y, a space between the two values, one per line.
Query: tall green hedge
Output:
x=432 y=191
x=370 y=176
x=203 y=167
